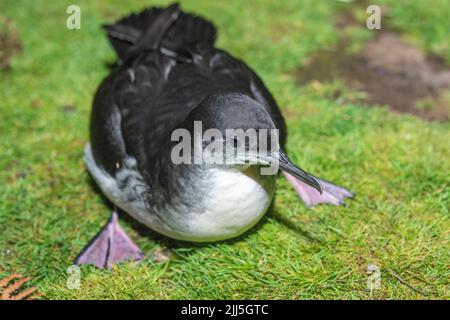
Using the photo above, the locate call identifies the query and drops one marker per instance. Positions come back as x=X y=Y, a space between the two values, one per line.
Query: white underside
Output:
x=234 y=203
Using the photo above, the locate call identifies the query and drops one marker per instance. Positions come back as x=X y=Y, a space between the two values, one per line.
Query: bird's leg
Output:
x=332 y=194
x=111 y=245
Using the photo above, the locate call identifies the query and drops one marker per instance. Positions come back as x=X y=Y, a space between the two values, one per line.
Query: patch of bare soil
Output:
x=10 y=43
x=391 y=72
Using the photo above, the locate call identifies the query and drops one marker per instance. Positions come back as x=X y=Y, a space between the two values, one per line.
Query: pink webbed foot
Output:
x=110 y=246
x=331 y=193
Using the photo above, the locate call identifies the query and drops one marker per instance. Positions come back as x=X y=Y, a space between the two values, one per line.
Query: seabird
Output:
x=169 y=76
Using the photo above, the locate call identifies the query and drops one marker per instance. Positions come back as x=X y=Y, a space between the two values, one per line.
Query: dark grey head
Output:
x=244 y=129
x=232 y=111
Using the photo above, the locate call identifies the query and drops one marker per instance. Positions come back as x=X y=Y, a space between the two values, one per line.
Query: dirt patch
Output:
x=391 y=72
x=68 y=108
x=10 y=43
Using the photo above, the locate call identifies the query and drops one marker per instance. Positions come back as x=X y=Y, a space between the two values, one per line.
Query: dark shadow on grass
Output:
x=110 y=65
x=295 y=227
x=96 y=189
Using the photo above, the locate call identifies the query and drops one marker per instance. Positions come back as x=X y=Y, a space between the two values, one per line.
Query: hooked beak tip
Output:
x=286 y=165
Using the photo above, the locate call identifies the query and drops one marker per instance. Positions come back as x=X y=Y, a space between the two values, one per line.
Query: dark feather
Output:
x=168 y=29
x=138 y=106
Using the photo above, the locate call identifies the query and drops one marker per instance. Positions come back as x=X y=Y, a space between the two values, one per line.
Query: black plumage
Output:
x=169 y=75
x=156 y=87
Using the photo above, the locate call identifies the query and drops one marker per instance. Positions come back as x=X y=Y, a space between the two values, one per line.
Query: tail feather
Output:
x=124 y=33
x=188 y=30
x=168 y=29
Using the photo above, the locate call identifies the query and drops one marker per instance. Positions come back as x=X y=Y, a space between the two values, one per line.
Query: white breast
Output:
x=236 y=202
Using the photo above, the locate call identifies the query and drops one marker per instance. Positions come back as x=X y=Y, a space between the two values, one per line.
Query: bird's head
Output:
x=232 y=130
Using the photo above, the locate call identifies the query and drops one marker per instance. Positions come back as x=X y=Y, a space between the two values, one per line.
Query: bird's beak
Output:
x=279 y=160
x=286 y=165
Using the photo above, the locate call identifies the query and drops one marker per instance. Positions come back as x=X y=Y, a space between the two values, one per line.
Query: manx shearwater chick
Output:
x=170 y=76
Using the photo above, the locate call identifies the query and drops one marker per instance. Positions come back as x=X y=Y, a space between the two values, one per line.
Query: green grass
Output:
x=397 y=164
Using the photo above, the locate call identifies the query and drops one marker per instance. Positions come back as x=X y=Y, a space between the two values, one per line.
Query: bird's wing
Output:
x=123 y=106
x=131 y=102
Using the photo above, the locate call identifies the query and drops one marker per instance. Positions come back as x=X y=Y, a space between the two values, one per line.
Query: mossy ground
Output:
x=397 y=164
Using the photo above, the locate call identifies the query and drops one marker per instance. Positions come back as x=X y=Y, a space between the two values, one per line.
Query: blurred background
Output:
x=367 y=108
